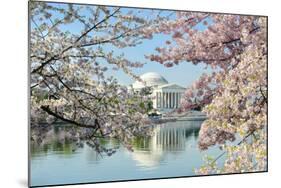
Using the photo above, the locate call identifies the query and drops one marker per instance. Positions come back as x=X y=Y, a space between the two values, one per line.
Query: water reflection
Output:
x=169 y=138
x=171 y=151
x=53 y=145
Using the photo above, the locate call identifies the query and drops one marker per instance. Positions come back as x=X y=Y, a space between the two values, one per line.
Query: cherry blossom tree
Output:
x=234 y=94
x=68 y=70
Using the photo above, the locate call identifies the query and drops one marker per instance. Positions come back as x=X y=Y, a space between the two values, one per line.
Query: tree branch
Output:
x=50 y=112
x=77 y=40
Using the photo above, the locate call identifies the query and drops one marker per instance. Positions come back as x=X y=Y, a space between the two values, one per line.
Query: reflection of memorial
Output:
x=171 y=137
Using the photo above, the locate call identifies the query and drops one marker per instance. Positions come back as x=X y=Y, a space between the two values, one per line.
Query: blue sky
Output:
x=183 y=74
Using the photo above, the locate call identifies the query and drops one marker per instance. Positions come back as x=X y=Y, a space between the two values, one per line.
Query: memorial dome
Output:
x=150 y=79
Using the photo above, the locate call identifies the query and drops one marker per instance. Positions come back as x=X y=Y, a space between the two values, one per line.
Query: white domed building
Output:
x=166 y=96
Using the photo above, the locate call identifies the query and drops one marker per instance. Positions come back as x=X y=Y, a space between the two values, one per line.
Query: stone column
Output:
x=162 y=104
x=171 y=106
x=177 y=102
x=166 y=100
x=172 y=102
x=178 y=99
x=174 y=99
x=159 y=99
x=162 y=99
x=169 y=100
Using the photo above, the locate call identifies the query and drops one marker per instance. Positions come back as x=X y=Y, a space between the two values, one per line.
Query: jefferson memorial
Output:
x=165 y=96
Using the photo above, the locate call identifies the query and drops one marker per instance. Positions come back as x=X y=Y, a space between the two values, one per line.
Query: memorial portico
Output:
x=166 y=96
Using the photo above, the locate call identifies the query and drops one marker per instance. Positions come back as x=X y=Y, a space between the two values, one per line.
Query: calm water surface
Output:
x=171 y=152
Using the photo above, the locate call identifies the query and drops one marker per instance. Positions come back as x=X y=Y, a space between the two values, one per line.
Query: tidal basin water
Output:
x=172 y=151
